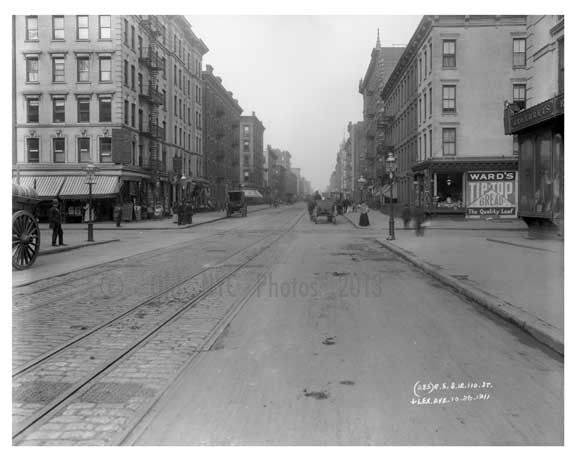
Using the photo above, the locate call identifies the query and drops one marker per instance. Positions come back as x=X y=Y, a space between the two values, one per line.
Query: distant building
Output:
x=535 y=115
x=383 y=60
x=252 y=152
x=119 y=92
x=221 y=137
x=442 y=107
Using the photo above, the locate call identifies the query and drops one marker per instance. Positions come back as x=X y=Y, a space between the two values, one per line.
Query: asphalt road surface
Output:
x=345 y=344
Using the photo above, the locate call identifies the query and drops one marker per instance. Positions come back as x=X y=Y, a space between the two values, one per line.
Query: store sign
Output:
x=491 y=193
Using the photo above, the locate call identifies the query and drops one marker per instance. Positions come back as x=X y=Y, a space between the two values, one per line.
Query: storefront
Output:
x=440 y=184
x=540 y=131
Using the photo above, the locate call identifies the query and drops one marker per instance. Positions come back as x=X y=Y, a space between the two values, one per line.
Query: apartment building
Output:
x=442 y=106
x=221 y=137
x=383 y=60
x=252 y=152
x=122 y=93
x=535 y=116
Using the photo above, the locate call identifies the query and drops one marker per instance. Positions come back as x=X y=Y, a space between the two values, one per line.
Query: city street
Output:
x=267 y=330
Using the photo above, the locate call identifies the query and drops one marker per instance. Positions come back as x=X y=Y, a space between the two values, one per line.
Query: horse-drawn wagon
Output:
x=25 y=229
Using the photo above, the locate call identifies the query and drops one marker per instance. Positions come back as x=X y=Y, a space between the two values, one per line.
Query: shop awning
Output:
x=249 y=193
x=45 y=186
x=76 y=187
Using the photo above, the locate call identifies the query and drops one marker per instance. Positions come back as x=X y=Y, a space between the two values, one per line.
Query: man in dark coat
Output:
x=55 y=220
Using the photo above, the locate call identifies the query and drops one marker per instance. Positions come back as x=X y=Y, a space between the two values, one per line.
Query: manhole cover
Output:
x=38 y=392
x=114 y=393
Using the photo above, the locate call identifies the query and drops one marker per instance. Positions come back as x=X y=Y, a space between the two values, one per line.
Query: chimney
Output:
x=209 y=69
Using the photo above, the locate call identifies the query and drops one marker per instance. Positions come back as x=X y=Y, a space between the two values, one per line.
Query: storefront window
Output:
x=526 y=175
x=543 y=193
x=558 y=176
x=449 y=190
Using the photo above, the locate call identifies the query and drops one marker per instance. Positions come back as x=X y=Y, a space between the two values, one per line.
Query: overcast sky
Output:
x=300 y=75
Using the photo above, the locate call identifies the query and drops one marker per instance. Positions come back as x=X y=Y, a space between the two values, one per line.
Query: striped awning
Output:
x=250 y=193
x=45 y=186
x=76 y=187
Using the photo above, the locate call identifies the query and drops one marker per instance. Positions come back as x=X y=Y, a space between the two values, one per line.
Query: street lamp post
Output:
x=90 y=179
x=361 y=182
x=391 y=170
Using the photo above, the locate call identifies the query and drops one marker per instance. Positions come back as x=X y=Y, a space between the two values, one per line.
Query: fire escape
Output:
x=151 y=60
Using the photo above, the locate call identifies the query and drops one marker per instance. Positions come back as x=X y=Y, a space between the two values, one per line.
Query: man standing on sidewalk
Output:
x=55 y=220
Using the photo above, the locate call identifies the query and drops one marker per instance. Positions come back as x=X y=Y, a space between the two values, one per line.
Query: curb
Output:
x=74 y=247
x=175 y=227
x=542 y=331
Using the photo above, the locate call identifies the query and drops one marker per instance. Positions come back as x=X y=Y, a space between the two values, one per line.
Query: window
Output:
x=519 y=95
x=425 y=63
x=430 y=55
x=449 y=141
x=59 y=150
x=126 y=74
x=140 y=120
x=126 y=32
x=430 y=141
x=105 y=69
x=175 y=76
x=32 y=110
x=430 y=101
x=32 y=69
x=519 y=58
x=105 y=149
x=561 y=66
x=449 y=98
x=449 y=53
x=425 y=105
x=83 y=110
x=246 y=146
x=57 y=27
x=132 y=37
x=132 y=77
x=105 y=109
x=83 y=64
x=31 y=27
x=33 y=150
x=246 y=130
x=105 y=27
x=126 y=112
x=82 y=27
x=84 y=150
x=139 y=46
x=58 y=110
x=57 y=69
x=133 y=114
x=175 y=106
x=425 y=143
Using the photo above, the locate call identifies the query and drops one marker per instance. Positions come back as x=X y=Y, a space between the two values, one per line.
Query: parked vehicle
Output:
x=237 y=203
x=25 y=229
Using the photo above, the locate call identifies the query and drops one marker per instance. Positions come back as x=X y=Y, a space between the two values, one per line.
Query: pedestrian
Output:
x=364 y=221
x=422 y=221
x=55 y=221
x=406 y=215
x=118 y=215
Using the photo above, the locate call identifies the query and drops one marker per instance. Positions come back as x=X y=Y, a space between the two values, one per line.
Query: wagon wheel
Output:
x=25 y=240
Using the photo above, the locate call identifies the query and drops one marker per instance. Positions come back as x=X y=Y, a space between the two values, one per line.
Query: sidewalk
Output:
x=495 y=263
x=75 y=234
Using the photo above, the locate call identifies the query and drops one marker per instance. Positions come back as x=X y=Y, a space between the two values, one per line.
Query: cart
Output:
x=325 y=208
x=237 y=203
x=25 y=229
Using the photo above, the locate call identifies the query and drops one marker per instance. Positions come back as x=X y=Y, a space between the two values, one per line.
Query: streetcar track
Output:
x=60 y=401
x=154 y=252
x=181 y=279
x=93 y=330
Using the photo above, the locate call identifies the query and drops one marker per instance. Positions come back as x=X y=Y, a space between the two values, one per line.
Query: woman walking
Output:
x=364 y=221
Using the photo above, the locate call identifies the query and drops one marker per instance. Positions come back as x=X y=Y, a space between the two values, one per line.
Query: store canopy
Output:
x=250 y=193
x=45 y=186
x=76 y=187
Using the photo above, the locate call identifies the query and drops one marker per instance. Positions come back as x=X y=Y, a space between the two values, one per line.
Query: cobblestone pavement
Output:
x=51 y=312
x=51 y=316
